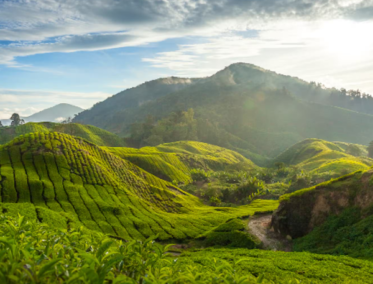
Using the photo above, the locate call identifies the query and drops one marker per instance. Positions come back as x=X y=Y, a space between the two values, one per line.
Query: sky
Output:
x=83 y=51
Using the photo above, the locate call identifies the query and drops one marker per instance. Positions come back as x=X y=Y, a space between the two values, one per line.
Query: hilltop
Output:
x=90 y=133
x=174 y=161
x=245 y=108
x=68 y=182
x=320 y=156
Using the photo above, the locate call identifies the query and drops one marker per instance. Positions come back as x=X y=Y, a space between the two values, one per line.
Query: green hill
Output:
x=319 y=156
x=66 y=181
x=334 y=217
x=243 y=107
x=174 y=161
x=90 y=133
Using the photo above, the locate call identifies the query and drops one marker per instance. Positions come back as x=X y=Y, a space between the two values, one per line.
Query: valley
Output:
x=191 y=180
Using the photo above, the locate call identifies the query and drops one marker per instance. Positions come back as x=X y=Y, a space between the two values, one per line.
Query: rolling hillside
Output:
x=90 y=133
x=319 y=156
x=67 y=182
x=243 y=108
x=173 y=161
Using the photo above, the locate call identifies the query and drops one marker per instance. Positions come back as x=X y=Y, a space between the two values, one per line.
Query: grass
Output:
x=79 y=184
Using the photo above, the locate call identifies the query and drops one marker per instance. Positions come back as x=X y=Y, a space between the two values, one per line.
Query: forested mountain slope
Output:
x=243 y=108
x=65 y=181
x=174 y=161
x=90 y=133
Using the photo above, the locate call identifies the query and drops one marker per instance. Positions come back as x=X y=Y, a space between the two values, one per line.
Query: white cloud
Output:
x=318 y=51
x=44 y=26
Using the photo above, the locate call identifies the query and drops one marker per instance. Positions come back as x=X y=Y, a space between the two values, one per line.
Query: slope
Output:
x=332 y=217
x=61 y=179
x=319 y=156
x=174 y=161
x=90 y=133
x=245 y=109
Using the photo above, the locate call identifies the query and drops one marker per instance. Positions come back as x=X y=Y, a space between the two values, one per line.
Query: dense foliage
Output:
x=344 y=234
x=33 y=253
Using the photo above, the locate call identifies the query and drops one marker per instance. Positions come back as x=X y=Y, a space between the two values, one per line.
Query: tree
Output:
x=1 y=125
x=370 y=150
x=16 y=120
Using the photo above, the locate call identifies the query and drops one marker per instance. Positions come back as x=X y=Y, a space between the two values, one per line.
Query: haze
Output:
x=81 y=52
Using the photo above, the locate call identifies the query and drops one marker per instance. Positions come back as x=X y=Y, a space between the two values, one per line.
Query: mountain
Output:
x=90 y=133
x=65 y=181
x=245 y=108
x=334 y=217
x=54 y=114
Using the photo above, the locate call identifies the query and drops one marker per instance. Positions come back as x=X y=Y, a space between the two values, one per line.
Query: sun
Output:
x=346 y=39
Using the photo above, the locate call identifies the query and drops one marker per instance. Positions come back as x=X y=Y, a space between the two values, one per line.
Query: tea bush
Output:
x=31 y=252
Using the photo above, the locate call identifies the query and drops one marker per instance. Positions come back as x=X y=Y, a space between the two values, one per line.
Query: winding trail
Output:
x=261 y=228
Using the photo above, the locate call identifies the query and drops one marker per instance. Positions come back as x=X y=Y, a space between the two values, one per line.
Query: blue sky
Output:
x=82 y=51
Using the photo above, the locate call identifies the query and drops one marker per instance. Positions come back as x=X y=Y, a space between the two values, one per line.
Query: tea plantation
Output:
x=34 y=253
x=68 y=182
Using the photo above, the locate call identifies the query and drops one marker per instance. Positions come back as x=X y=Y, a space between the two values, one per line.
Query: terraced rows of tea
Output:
x=173 y=161
x=67 y=180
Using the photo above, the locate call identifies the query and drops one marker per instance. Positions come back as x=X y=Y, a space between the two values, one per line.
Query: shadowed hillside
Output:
x=334 y=217
x=62 y=179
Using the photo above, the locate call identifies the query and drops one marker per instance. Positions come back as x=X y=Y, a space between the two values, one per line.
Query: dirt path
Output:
x=260 y=227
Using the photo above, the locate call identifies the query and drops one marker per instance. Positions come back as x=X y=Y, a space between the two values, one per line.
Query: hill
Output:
x=90 y=133
x=54 y=114
x=67 y=182
x=174 y=161
x=319 y=156
x=243 y=107
x=333 y=217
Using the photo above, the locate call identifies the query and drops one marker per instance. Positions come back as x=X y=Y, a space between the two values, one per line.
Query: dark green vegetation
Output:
x=90 y=133
x=67 y=182
x=333 y=217
x=243 y=107
x=33 y=253
x=350 y=233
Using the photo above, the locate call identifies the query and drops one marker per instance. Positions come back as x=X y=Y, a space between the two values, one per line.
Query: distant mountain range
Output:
x=56 y=113
x=256 y=112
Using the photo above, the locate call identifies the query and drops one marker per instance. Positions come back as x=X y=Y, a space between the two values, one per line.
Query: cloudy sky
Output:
x=82 y=51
